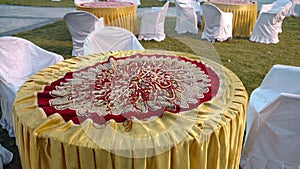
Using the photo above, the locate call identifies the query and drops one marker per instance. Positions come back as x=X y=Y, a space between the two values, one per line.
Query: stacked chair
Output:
x=152 y=24
x=20 y=59
x=273 y=130
x=269 y=22
x=217 y=24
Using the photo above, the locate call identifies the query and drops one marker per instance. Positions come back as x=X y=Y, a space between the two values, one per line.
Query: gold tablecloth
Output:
x=120 y=14
x=244 y=17
x=208 y=136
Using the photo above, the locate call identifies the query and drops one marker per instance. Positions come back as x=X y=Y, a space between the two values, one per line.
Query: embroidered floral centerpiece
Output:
x=138 y=86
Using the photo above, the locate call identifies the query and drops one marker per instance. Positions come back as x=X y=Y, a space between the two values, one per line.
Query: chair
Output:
x=77 y=2
x=269 y=22
x=110 y=38
x=20 y=59
x=217 y=24
x=280 y=79
x=273 y=140
x=295 y=8
x=186 y=20
x=80 y=24
x=136 y=2
x=5 y=156
x=152 y=24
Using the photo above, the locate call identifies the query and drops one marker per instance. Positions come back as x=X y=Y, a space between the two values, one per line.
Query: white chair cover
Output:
x=186 y=20
x=80 y=24
x=295 y=8
x=110 y=39
x=5 y=156
x=136 y=2
x=217 y=24
x=273 y=140
x=280 y=79
x=20 y=59
x=77 y=2
x=269 y=22
x=152 y=24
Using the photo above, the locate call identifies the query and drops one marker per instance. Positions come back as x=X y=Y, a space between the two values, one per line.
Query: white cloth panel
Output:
x=152 y=24
x=295 y=8
x=110 y=38
x=186 y=20
x=279 y=79
x=136 y=2
x=80 y=24
x=217 y=24
x=269 y=22
x=5 y=156
x=20 y=59
x=77 y=2
x=273 y=139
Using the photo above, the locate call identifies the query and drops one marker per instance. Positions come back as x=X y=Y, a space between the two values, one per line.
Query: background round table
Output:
x=244 y=16
x=120 y=14
x=206 y=132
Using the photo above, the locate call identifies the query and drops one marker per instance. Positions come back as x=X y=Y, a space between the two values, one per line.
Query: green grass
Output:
x=248 y=60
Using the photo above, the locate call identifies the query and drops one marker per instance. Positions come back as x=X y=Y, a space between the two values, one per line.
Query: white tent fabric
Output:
x=80 y=24
x=186 y=20
x=273 y=140
x=217 y=24
x=110 y=38
x=5 y=156
x=152 y=24
x=269 y=22
x=20 y=59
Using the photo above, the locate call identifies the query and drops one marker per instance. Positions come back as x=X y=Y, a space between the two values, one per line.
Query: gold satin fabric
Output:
x=213 y=141
x=124 y=17
x=244 y=17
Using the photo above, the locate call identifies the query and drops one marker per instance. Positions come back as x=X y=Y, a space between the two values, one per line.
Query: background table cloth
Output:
x=244 y=16
x=131 y=109
x=121 y=14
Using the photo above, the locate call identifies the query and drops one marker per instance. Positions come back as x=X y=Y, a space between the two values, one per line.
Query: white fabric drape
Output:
x=272 y=132
x=80 y=24
x=218 y=24
x=152 y=24
x=19 y=60
x=269 y=21
x=186 y=20
x=5 y=156
x=110 y=38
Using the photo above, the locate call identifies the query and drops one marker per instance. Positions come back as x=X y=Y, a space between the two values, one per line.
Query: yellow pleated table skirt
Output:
x=123 y=16
x=206 y=136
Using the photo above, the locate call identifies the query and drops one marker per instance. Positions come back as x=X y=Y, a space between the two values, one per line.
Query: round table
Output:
x=131 y=109
x=120 y=14
x=244 y=16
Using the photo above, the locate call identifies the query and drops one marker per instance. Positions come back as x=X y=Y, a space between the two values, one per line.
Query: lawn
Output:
x=248 y=60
